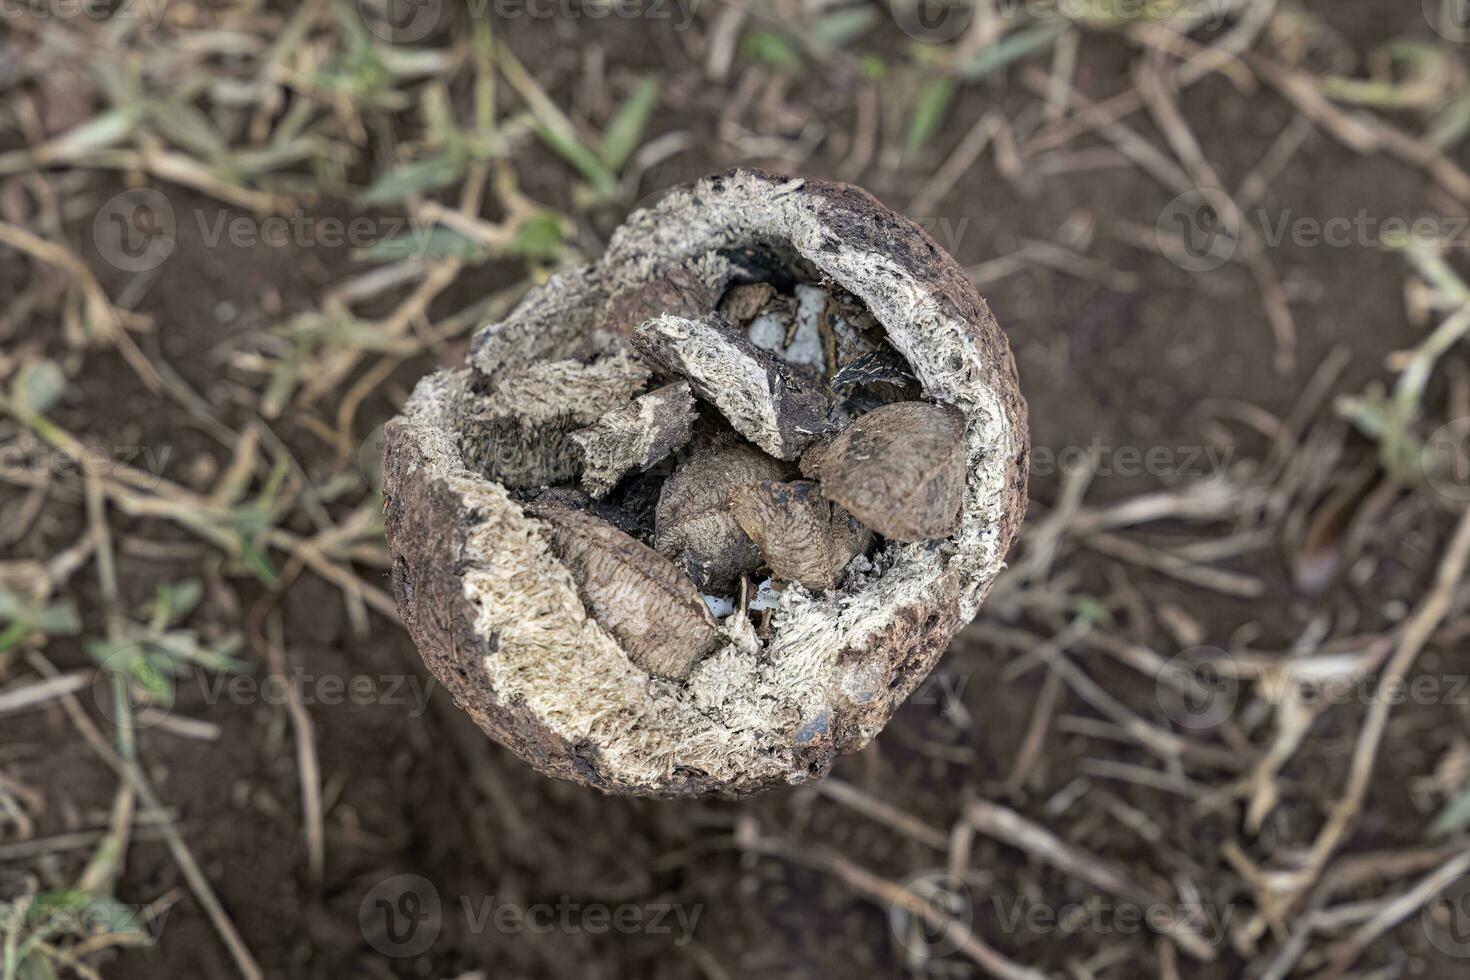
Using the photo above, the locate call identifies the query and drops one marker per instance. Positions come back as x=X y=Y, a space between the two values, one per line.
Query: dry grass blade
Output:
x=1391 y=914
x=16 y=698
x=1012 y=828
x=883 y=812
x=308 y=768
x=1410 y=643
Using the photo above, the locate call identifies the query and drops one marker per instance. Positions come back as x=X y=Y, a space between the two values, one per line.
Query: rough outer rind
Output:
x=558 y=690
x=761 y=396
x=522 y=433
x=635 y=436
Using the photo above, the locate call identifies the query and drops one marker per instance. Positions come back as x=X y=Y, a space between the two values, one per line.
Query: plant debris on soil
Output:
x=1211 y=722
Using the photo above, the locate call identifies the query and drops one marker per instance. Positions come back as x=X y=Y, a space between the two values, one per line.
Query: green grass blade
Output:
x=930 y=109
x=626 y=128
x=991 y=59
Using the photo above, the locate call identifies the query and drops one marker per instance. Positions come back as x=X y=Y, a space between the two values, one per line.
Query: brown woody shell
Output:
x=559 y=704
x=635 y=436
x=761 y=395
x=519 y=433
x=676 y=291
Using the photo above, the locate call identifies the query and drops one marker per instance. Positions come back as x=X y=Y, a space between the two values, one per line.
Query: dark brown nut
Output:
x=762 y=397
x=677 y=291
x=742 y=303
x=519 y=434
x=694 y=527
x=802 y=536
x=637 y=595
x=635 y=436
x=900 y=469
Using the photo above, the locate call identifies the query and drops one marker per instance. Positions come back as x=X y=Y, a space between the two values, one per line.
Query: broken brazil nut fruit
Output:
x=696 y=518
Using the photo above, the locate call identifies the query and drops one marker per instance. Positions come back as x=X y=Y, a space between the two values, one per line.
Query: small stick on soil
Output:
x=883 y=812
x=1258 y=181
x=1175 y=566
x=1361 y=132
x=1165 y=745
x=1010 y=827
x=1158 y=90
x=949 y=173
x=1193 y=502
x=1035 y=739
